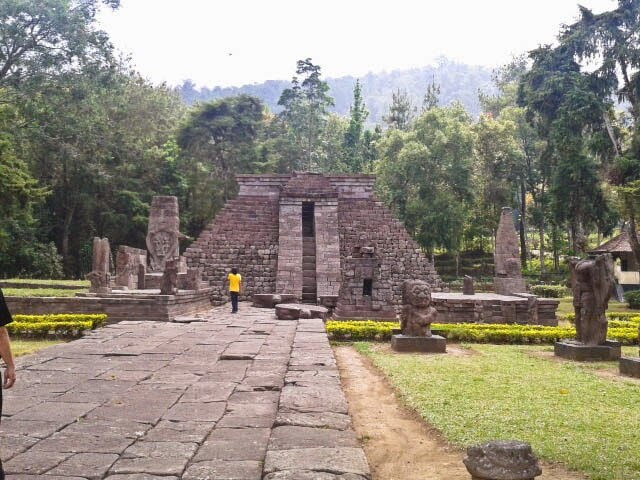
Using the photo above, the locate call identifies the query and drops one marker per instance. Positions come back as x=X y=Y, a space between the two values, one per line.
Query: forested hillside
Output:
x=457 y=81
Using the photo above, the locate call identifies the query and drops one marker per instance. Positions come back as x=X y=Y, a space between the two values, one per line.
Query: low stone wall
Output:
x=117 y=306
x=494 y=308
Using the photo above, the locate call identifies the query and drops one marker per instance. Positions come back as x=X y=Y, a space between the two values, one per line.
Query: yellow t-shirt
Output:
x=234 y=282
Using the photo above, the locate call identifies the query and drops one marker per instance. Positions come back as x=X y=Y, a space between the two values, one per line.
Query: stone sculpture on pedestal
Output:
x=502 y=460
x=415 y=321
x=128 y=261
x=100 y=275
x=592 y=282
x=164 y=232
x=508 y=278
x=169 y=282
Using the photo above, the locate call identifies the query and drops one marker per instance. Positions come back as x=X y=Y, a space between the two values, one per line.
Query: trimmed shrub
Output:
x=58 y=324
x=549 y=291
x=474 y=332
x=633 y=298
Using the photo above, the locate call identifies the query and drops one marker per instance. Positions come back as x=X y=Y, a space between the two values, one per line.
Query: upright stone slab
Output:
x=100 y=275
x=502 y=460
x=128 y=262
x=508 y=279
x=164 y=232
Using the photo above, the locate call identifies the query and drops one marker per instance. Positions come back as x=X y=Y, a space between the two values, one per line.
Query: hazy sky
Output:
x=235 y=42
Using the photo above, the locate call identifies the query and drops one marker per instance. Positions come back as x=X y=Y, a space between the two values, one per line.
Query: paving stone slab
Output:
x=93 y=466
x=174 y=431
x=309 y=475
x=337 y=421
x=331 y=460
x=199 y=412
x=139 y=476
x=291 y=437
x=207 y=392
x=234 y=444
x=34 y=462
x=32 y=428
x=12 y=445
x=155 y=458
x=61 y=412
x=224 y=470
x=313 y=399
x=63 y=442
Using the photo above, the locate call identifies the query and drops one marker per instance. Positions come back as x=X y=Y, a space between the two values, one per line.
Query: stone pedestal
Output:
x=432 y=344
x=574 y=350
x=509 y=285
x=502 y=460
x=270 y=300
x=294 y=311
x=630 y=366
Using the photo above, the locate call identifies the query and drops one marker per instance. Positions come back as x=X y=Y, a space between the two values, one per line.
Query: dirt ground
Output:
x=398 y=443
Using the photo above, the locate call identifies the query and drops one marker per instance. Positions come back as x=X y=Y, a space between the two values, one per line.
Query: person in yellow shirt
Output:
x=235 y=288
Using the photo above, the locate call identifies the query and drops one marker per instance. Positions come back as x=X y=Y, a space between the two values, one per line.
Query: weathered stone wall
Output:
x=366 y=222
x=117 y=307
x=244 y=235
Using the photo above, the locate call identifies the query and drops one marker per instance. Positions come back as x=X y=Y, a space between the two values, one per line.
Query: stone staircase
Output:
x=309 y=285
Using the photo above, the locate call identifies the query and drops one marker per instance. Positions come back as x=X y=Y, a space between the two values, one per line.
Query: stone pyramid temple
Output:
x=323 y=238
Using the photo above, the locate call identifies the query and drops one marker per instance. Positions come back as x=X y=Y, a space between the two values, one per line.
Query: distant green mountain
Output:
x=458 y=82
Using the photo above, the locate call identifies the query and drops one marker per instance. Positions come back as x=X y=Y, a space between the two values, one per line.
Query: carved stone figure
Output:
x=169 y=282
x=508 y=278
x=164 y=232
x=128 y=260
x=502 y=460
x=417 y=312
x=100 y=275
x=591 y=280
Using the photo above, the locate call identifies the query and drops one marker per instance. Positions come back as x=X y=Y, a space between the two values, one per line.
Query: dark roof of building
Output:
x=618 y=244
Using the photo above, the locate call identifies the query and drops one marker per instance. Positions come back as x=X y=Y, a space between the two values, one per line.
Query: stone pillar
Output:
x=289 y=276
x=100 y=275
x=508 y=275
x=327 y=248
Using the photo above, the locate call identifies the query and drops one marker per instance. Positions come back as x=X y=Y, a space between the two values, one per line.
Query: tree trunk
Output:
x=523 y=238
x=66 y=231
x=633 y=238
x=541 y=233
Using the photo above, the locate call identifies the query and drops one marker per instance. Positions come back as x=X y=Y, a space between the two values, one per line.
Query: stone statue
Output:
x=100 y=275
x=591 y=280
x=502 y=460
x=417 y=311
x=164 y=232
x=128 y=260
x=467 y=286
x=169 y=282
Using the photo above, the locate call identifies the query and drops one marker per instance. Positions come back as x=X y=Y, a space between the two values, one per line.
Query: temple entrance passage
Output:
x=309 y=283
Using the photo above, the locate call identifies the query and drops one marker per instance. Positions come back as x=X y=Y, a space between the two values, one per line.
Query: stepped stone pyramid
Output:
x=319 y=237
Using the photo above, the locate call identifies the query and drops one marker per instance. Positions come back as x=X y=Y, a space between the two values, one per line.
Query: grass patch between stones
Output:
x=566 y=410
x=21 y=347
x=42 y=292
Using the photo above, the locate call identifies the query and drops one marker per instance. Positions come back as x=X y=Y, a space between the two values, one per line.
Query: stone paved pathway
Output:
x=242 y=396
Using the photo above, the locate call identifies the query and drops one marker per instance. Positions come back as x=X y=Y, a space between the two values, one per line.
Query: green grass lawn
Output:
x=21 y=347
x=569 y=412
x=42 y=292
x=72 y=283
x=566 y=306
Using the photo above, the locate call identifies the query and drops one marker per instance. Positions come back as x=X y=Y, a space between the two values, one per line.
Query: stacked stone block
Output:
x=243 y=235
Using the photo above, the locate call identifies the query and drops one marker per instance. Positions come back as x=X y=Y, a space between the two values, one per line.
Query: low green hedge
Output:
x=549 y=291
x=473 y=332
x=58 y=324
x=633 y=298
x=632 y=318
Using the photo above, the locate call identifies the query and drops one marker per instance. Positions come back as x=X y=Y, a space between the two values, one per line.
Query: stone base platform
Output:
x=119 y=304
x=432 y=344
x=520 y=308
x=630 y=366
x=270 y=300
x=574 y=350
x=295 y=311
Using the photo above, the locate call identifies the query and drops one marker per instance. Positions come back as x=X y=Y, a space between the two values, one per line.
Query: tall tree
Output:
x=45 y=37
x=401 y=111
x=305 y=113
x=219 y=138
x=354 y=147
